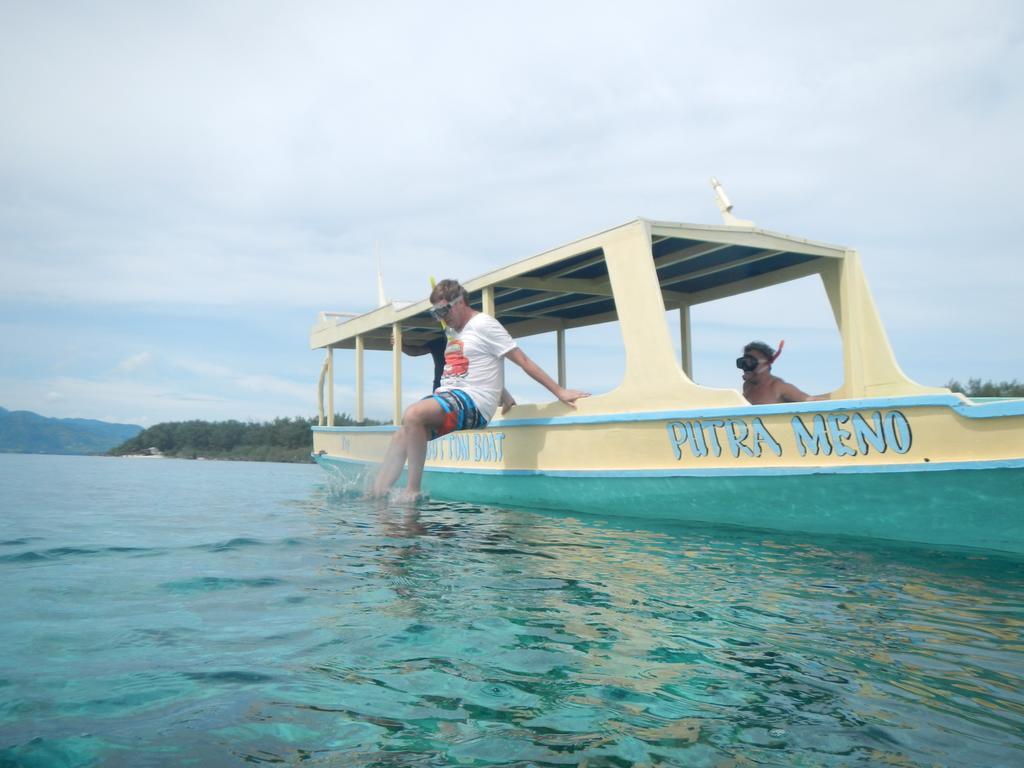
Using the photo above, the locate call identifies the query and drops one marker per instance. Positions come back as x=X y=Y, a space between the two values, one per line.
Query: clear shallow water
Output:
x=160 y=612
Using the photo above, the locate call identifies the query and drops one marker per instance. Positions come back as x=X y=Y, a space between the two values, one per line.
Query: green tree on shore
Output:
x=283 y=439
x=979 y=388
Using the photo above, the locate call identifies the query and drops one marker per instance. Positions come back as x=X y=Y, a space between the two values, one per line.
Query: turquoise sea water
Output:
x=162 y=612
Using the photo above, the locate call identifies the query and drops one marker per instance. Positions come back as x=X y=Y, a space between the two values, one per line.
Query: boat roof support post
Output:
x=488 y=300
x=330 y=386
x=560 y=348
x=685 y=340
x=396 y=372
x=653 y=378
x=320 y=390
x=869 y=365
x=360 y=403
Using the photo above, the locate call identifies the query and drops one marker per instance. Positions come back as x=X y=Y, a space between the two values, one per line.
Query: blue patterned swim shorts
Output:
x=460 y=412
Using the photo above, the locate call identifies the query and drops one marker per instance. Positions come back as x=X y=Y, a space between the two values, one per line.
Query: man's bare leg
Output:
x=391 y=466
x=421 y=419
x=416 y=450
x=410 y=442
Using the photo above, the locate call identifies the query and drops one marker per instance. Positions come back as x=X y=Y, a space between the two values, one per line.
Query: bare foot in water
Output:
x=372 y=489
x=407 y=497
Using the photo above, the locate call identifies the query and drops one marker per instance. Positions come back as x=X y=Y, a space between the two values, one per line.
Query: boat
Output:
x=881 y=457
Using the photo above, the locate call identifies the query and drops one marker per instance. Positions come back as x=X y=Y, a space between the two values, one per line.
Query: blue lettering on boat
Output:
x=747 y=439
x=487 y=446
x=681 y=433
x=839 y=433
x=698 y=444
x=811 y=442
x=890 y=430
x=762 y=435
x=897 y=433
x=484 y=446
x=458 y=446
x=677 y=435
x=867 y=437
x=713 y=425
x=737 y=433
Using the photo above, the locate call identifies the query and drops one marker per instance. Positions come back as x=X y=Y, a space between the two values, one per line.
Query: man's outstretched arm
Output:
x=535 y=372
x=789 y=393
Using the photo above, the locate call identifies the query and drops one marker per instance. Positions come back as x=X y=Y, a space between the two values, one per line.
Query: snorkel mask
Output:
x=749 y=363
x=442 y=311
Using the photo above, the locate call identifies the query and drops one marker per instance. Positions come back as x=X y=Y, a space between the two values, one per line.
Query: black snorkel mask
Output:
x=747 y=363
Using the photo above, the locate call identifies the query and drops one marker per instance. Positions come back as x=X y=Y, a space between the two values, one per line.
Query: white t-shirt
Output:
x=474 y=361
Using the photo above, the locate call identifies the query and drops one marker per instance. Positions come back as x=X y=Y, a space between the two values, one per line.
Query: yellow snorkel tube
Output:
x=433 y=283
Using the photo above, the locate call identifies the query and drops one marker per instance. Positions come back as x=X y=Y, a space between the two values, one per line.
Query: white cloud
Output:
x=134 y=362
x=225 y=377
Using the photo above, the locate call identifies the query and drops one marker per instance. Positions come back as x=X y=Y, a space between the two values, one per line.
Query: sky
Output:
x=184 y=186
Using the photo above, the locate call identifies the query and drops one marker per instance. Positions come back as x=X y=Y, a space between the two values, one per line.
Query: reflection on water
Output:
x=333 y=630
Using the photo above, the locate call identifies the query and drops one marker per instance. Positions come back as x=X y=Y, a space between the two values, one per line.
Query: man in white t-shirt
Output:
x=472 y=386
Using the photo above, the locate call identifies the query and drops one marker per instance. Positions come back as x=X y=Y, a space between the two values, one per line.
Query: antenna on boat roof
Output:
x=725 y=206
x=381 y=298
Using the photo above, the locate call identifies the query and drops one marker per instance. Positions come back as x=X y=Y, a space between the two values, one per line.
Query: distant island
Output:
x=283 y=439
x=28 y=432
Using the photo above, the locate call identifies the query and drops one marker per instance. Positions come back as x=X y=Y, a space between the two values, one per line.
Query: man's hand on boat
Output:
x=570 y=396
x=507 y=401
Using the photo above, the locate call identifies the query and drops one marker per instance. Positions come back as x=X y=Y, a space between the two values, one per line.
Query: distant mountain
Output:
x=27 y=432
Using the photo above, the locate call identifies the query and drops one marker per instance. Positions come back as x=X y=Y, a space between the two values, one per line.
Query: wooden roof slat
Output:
x=664 y=262
x=572 y=305
x=731 y=264
x=532 y=327
x=597 y=259
x=595 y=286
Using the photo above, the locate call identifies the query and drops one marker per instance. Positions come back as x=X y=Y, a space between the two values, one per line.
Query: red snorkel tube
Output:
x=782 y=343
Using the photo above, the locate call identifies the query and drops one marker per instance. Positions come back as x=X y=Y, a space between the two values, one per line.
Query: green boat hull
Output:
x=960 y=507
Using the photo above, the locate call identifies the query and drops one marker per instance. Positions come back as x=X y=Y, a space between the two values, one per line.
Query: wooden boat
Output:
x=883 y=457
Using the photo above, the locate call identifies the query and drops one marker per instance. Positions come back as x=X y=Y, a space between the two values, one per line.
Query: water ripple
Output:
x=57 y=553
x=216 y=583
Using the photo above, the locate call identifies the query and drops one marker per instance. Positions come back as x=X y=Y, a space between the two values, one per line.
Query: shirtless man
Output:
x=760 y=385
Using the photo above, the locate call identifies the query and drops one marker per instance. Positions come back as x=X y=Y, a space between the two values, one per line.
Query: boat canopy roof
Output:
x=570 y=286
